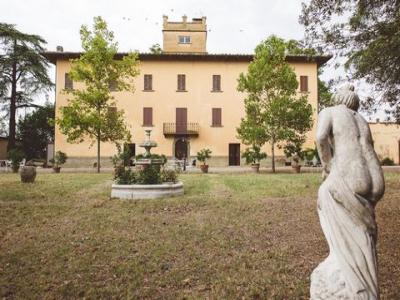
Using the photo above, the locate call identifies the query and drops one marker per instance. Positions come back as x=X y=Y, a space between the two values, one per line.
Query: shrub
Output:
x=59 y=159
x=149 y=175
x=387 y=161
x=125 y=176
x=253 y=155
x=203 y=155
x=169 y=175
x=16 y=156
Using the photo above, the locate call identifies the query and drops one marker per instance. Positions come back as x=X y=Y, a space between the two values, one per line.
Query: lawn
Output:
x=241 y=236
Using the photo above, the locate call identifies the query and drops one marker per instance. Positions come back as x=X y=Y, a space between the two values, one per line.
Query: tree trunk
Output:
x=273 y=155
x=98 y=155
x=13 y=100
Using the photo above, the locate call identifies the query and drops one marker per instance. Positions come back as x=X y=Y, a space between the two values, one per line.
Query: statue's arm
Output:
x=324 y=131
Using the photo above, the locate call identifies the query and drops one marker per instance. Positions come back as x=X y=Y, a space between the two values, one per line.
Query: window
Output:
x=68 y=84
x=147 y=116
x=303 y=83
x=216 y=117
x=148 y=82
x=184 y=39
x=181 y=82
x=112 y=110
x=113 y=86
x=216 y=83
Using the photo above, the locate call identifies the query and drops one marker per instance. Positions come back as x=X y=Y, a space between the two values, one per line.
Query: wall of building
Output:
x=386 y=138
x=197 y=43
x=199 y=101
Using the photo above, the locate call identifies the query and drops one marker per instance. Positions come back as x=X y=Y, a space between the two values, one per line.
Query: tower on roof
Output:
x=185 y=37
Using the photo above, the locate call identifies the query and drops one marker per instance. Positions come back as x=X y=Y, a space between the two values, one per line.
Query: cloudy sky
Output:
x=235 y=26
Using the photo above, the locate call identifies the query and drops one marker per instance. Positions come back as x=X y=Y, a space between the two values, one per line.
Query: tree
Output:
x=155 y=49
x=366 y=35
x=274 y=111
x=23 y=72
x=91 y=113
x=36 y=130
x=295 y=47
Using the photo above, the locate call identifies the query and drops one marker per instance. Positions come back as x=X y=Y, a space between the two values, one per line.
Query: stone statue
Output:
x=346 y=200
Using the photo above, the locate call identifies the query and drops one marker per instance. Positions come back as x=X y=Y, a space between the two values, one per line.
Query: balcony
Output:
x=181 y=129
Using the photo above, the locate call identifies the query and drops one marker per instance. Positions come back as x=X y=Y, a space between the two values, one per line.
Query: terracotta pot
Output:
x=204 y=168
x=28 y=174
x=255 y=168
x=56 y=169
x=296 y=169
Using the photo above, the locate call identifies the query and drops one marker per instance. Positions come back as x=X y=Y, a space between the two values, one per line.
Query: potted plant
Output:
x=293 y=151
x=253 y=156
x=15 y=156
x=202 y=156
x=59 y=159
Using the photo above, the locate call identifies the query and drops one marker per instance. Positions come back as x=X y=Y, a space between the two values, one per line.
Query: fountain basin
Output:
x=146 y=191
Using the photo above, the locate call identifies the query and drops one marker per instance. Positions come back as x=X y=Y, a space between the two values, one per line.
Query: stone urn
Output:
x=28 y=174
x=204 y=168
x=56 y=169
x=255 y=167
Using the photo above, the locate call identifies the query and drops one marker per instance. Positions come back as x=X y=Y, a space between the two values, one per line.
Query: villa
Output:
x=188 y=97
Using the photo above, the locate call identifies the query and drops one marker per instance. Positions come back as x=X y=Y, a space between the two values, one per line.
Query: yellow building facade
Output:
x=187 y=97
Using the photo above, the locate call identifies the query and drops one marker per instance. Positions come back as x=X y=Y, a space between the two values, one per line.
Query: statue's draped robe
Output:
x=348 y=223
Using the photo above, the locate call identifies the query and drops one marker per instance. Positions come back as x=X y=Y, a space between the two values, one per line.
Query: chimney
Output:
x=203 y=20
x=377 y=120
x=184 y=19
x=165 y=20
x=59 y=49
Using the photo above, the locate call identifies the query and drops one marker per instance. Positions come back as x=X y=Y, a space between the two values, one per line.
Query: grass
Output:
x=240 y=236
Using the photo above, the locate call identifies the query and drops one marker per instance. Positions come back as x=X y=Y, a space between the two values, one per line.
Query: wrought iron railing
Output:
x=181 y=128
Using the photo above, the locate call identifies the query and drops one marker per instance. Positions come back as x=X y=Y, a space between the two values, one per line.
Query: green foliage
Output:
x=155 y=49
x=16 y=156
x=169 y=175
x=149 y=175
x=387 y=161
x=203 y=155
x=310 y=153
x=365 y=34
x=35 y=131
x=125 y=176
x=253 y=155
x=90 y=113
x=295 y=47
x=23 y=72
x=59 y=159
x=275 y=113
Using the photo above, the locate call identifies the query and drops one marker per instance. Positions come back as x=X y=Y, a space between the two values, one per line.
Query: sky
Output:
x=234 y=26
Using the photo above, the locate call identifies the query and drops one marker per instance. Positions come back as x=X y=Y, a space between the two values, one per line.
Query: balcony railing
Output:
x=172 y=129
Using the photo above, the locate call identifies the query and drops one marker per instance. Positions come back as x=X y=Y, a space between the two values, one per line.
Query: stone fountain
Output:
x=147 y=191
x=148 y=160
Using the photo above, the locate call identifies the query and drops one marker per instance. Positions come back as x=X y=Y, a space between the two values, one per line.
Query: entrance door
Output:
x=234 y=154
x=181 y=120
x=181 y=149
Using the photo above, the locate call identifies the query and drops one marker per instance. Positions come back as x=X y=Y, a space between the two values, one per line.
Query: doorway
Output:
x=181 y=120
x=234 y=154
x=181 y=149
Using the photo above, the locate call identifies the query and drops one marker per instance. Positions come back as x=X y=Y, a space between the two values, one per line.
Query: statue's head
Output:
x=347 y=96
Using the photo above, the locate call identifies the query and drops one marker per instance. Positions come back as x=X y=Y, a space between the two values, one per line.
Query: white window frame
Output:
x=184 y=39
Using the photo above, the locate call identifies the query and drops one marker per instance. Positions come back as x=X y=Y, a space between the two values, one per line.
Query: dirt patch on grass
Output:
x=233 y=236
